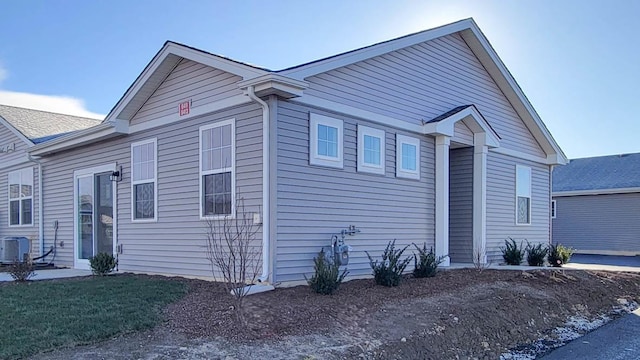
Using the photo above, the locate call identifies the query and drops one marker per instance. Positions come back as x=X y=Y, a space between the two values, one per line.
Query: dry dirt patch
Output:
x=461 y=314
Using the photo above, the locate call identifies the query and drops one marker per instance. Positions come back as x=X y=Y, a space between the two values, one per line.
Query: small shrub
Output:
x=480 y=261
x=559 y=255
x=327 y=277
x=512 y=253
x=22 y=271
x=102 y=264
x=426 y=263
x=388 y=272
x=536 y=254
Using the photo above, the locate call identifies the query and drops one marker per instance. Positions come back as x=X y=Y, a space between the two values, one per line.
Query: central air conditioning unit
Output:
x=14 y=248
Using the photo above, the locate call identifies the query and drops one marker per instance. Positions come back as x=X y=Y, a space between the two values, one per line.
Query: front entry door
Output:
x=94 y=214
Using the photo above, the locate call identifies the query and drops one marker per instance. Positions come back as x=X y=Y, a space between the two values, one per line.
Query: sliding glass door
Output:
x=94 y=214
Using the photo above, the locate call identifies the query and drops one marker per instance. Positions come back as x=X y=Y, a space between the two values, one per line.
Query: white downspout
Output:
x=40 y=204
x=265 y=184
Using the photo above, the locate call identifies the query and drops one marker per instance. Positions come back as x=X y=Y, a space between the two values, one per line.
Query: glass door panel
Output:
x=85 y=216
x=104 y=213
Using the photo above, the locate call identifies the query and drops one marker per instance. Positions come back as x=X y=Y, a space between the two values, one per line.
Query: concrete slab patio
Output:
x=50 y=274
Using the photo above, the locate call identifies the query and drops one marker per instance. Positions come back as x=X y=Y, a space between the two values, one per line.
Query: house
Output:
x=21 y=129
x=596 y=202
x=424 y=139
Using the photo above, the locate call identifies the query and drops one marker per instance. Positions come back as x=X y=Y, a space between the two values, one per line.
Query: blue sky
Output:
x=577 y=61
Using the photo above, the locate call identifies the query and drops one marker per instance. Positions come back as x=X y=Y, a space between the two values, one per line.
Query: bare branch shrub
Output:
x=480 y=261
x=22 y=271
x=233 y=255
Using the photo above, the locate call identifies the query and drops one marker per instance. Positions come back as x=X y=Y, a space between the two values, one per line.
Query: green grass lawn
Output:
x=43 y=315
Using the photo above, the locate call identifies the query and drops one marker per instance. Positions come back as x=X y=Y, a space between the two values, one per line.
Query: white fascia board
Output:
x=244 y=71
x=596 y=192
x=273 y=78
x=483 y=50
x=92 y=134
x=15 y=132
x=138 y=83
x=472 y=117
x=275 y=84
x=372 y=51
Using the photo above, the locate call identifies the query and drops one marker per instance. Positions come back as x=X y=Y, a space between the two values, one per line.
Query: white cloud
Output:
x=58 y=104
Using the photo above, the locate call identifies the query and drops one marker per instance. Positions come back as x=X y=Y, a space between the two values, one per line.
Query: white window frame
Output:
x=154 y=180
x=20 y=198
x=314 y=157
x=405 y=173
x=554 y=209
x=231 y=169
x=518 y=168
x=362 y=165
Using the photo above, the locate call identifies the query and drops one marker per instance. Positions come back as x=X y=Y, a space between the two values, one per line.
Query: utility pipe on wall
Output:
x=266 y=261
x=40 y=206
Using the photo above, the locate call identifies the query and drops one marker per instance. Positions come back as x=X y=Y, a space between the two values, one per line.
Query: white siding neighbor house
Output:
x=596 y=202
x=423 y=139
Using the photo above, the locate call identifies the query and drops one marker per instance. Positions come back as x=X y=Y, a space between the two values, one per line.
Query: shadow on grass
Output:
x=43 y=315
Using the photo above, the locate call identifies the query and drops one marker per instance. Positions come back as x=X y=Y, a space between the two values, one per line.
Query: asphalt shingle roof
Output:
x=598 y=173
x=39 y=126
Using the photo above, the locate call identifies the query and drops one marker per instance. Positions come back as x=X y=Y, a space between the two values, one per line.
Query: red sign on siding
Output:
x=185 y=107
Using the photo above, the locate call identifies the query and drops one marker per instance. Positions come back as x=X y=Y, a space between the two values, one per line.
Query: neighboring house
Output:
x=425 y=138
x=21 y=129
x=596 y=203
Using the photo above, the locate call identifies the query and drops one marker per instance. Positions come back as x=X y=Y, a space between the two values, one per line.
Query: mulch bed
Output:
x=458 y=313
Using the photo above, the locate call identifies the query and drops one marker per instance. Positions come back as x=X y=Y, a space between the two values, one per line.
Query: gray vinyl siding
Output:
x=422 y=82
x=315 y=202
x=175 y=243
x=190 y=80
x=7 y=137
x=501 y=203
x=29 y=231
x=598 y=223
x=462 y=134
x=461 y=205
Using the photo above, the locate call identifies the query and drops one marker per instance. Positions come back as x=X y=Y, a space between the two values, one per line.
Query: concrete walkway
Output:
x=604 y=262
x=50 y=274
x=617 y=340
x=578 y=262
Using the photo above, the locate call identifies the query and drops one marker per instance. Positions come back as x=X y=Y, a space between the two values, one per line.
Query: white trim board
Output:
x=195 y=112
x=596 y=192
x=76 y=139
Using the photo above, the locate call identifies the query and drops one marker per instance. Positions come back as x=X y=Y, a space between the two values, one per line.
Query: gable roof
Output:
x=598 y=173
x=290 y=81
x=36 y=126
x=162 y=64
x=483 y=50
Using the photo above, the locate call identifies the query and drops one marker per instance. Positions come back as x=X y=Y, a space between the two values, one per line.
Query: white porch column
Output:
x=480 y=197
x=442 y=197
